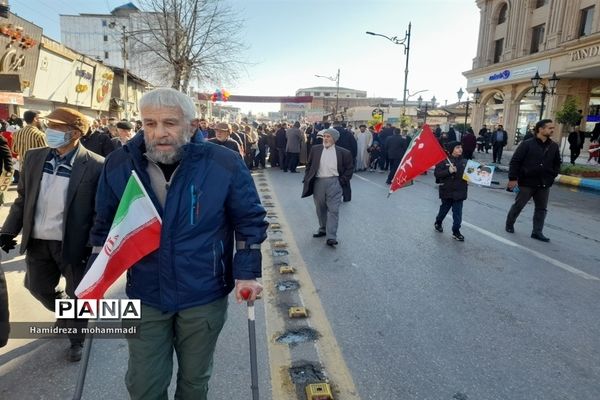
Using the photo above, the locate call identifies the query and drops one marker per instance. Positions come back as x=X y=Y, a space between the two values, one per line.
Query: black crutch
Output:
x=87 y=349
x=245 y=293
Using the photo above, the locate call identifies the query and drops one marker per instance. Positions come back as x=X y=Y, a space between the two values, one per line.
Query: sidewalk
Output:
x=586 y=183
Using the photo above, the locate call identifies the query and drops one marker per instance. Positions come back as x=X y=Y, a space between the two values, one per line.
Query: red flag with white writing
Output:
x=424 y=151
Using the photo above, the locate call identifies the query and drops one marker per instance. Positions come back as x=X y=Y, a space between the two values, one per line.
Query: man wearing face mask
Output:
x=208 y=204
x=55 y=212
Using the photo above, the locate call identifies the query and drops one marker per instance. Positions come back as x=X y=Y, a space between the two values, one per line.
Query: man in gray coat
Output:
x=294 y=138
x=327 y=178
x=55 y=211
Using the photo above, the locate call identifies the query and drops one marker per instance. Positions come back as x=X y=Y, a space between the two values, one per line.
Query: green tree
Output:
x=568 y=116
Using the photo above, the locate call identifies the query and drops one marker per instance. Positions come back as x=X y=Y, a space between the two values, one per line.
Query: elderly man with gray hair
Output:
x=327 y=179
x=206 y=198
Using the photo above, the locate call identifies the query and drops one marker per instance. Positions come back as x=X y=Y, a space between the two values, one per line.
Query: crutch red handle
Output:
x=245 y=293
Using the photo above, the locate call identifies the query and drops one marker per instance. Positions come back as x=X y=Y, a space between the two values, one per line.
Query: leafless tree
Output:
x=186 y=39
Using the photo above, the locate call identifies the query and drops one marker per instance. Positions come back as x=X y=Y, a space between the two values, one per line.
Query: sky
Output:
x=291 y=41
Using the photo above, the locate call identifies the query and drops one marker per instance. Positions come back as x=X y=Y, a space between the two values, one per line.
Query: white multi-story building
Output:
x=106 y=36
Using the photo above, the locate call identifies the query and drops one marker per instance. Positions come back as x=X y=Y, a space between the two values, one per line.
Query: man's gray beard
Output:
x=164 y=157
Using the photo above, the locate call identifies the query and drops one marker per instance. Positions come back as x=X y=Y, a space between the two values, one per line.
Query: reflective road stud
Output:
x=298 y=312
x=318 y=391
x=245 y=293
x=286 y=270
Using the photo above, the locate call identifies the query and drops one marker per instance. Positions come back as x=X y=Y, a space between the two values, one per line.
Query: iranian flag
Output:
x=135 y=233
x=424 y=151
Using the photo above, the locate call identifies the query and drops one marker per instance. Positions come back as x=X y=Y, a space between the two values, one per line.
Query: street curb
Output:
x=592 y=184
x=567 y=180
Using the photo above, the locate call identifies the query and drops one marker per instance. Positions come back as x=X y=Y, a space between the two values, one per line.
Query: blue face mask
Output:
x=56 y=138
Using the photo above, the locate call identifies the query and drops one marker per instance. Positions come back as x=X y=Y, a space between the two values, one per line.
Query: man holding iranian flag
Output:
x=172 y=223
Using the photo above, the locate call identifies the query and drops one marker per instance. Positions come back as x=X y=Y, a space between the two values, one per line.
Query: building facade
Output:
x=518 y=38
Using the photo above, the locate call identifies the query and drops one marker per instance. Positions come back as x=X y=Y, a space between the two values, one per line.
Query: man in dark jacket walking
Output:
x=347 y=140
x=209 y=206
x=533 y=166
x=469 y=143
x=453 y=189
x=395 y=147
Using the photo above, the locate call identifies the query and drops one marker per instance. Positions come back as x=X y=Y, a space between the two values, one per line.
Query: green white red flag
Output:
x=424 y=151
x=135 y=233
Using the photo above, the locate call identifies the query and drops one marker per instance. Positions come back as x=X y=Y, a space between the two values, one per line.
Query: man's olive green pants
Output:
x=193 y=334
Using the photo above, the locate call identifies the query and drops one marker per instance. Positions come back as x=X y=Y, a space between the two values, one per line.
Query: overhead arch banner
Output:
x=260 y=99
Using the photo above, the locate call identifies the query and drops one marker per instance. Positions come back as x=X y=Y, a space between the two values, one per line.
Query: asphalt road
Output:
x=421 y=316
x=416 y=314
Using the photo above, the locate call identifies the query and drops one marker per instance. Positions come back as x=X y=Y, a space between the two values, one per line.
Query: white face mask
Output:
x=57 y=138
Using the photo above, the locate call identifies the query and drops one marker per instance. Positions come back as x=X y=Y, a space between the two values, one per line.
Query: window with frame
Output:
x=104 y=22
x=585 y=24
x=537 y=38
x=105 y=38
x=326 y=94
x=540 y=3
x=502 y=14
x=106 y=55
x=498 y=49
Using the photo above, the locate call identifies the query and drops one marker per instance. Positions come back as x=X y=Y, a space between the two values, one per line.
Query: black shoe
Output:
x=331 y=242
x=319 y=234
x=540 y=237
x=75 y=352
x=509 y=229
x=388 y=182
x=438 y=227
x=457 y=236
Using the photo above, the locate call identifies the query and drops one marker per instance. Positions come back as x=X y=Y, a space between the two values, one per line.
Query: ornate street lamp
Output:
x=546 y=90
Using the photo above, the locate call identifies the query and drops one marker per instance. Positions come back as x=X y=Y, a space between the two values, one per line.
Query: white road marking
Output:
x=500 y=239
x=539 y=255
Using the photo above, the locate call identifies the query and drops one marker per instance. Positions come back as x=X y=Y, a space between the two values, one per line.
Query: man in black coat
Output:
x=499 y=140
x=453 y=189
x=223 y=138
x=347 y=140
x=576 y=139
x=327 y=178
x=383 y=135
x=395 y=147
x=98 y=141
x=534 y=165
x=280 y=145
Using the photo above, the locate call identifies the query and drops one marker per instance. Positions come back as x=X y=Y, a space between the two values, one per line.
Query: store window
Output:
x=502 y=14
x=537 y=38
x=585 y=25
x=498 y=49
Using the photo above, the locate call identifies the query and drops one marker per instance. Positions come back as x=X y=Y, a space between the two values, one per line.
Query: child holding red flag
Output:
x=453 y=188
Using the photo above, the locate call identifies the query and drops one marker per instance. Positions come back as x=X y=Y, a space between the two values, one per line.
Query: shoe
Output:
x=331 y=242
x=438 y=227
x=456 y=235
x=540 y=237
x=509 y=229
x=75 y=352
x=388 y=182
x=319 y=234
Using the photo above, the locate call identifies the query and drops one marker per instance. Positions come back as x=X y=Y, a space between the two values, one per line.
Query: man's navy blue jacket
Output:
x=210 y=198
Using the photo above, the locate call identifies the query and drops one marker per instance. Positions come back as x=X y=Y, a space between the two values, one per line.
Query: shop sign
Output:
x=588 y=52
x=500 y=75
x=11 y=98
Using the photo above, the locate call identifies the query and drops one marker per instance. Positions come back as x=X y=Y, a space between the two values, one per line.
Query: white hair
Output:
x=168 y=97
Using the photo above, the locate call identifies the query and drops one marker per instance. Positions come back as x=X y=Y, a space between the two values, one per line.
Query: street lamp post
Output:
x=468 y=101
x=125 y=55
x=406 y=43
x=546 y=90
x=335 y=79
x=420 y=101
